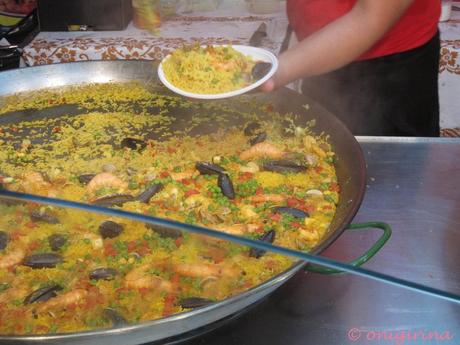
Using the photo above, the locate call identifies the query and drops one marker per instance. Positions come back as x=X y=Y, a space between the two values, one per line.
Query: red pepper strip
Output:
x=144 y=250
x=334 y=187
x=34 y=245
x=260 y=230
x=275 y=217
x=245 y=176
x=308 y=208
x=18 y=217
x=191 y=192
x=15 y=235
x=269 y=264
x=93 y=299
x=186 y=181
x=109 y=250
x=31 y=225
x=292 y=202
x=131 y=246
x=171 y=297
x=71 y=307
x=178 y=241
x=296 y=225
x=144 y=291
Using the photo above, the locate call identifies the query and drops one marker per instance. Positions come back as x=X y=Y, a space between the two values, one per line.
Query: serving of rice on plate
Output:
x=208 y=70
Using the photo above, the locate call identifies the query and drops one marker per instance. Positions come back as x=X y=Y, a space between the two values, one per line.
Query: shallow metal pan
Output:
x=350 y=166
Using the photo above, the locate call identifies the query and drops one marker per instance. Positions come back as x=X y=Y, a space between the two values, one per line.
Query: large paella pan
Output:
x=156 y=124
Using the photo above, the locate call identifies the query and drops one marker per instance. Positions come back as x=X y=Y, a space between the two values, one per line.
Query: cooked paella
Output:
x=209 y=70
x=63 y=270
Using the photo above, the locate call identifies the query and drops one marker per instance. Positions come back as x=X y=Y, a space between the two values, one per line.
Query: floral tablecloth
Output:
x=449 y=74
x=132 y=43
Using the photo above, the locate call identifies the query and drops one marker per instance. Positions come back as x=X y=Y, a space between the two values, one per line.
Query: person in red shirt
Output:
x=372 y=63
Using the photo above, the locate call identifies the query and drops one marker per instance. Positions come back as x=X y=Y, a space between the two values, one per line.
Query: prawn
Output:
x=63 y=301
x=263 y=149
x=34 y=182
x=182 y=175
x=105 y=180
x=200 y=270
x=237 y=229
x=12 y=258
x=276 y=198
x=140 y=278
x=16 y=293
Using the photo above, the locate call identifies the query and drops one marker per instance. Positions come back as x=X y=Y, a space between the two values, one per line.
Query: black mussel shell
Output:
x=45 y=217
x=110 y=229
x=4 y=239
x=268 y=237
x=260 y=70
x=113 y=200
x=259 y=138
x=252 y=128
x=56 y=241
x=103 y=273
x=295 y=212
x=284 y=166
x=133 y=144
x=42 y=260
x=226 y=186
x=43 y=294
x=146 y=195
x=165 y=232
x=208 y=168
x=85 y=178
x=194 y=302
x=115 y=317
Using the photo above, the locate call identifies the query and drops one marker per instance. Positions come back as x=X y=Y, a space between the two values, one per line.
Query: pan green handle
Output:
x=367 y=255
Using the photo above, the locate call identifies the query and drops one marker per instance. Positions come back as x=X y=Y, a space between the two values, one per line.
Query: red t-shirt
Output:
x=415 y=28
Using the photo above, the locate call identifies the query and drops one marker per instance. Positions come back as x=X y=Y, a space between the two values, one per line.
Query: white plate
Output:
x=257 y=54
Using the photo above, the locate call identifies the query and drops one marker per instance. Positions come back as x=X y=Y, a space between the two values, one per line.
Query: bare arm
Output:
x=340 y=42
